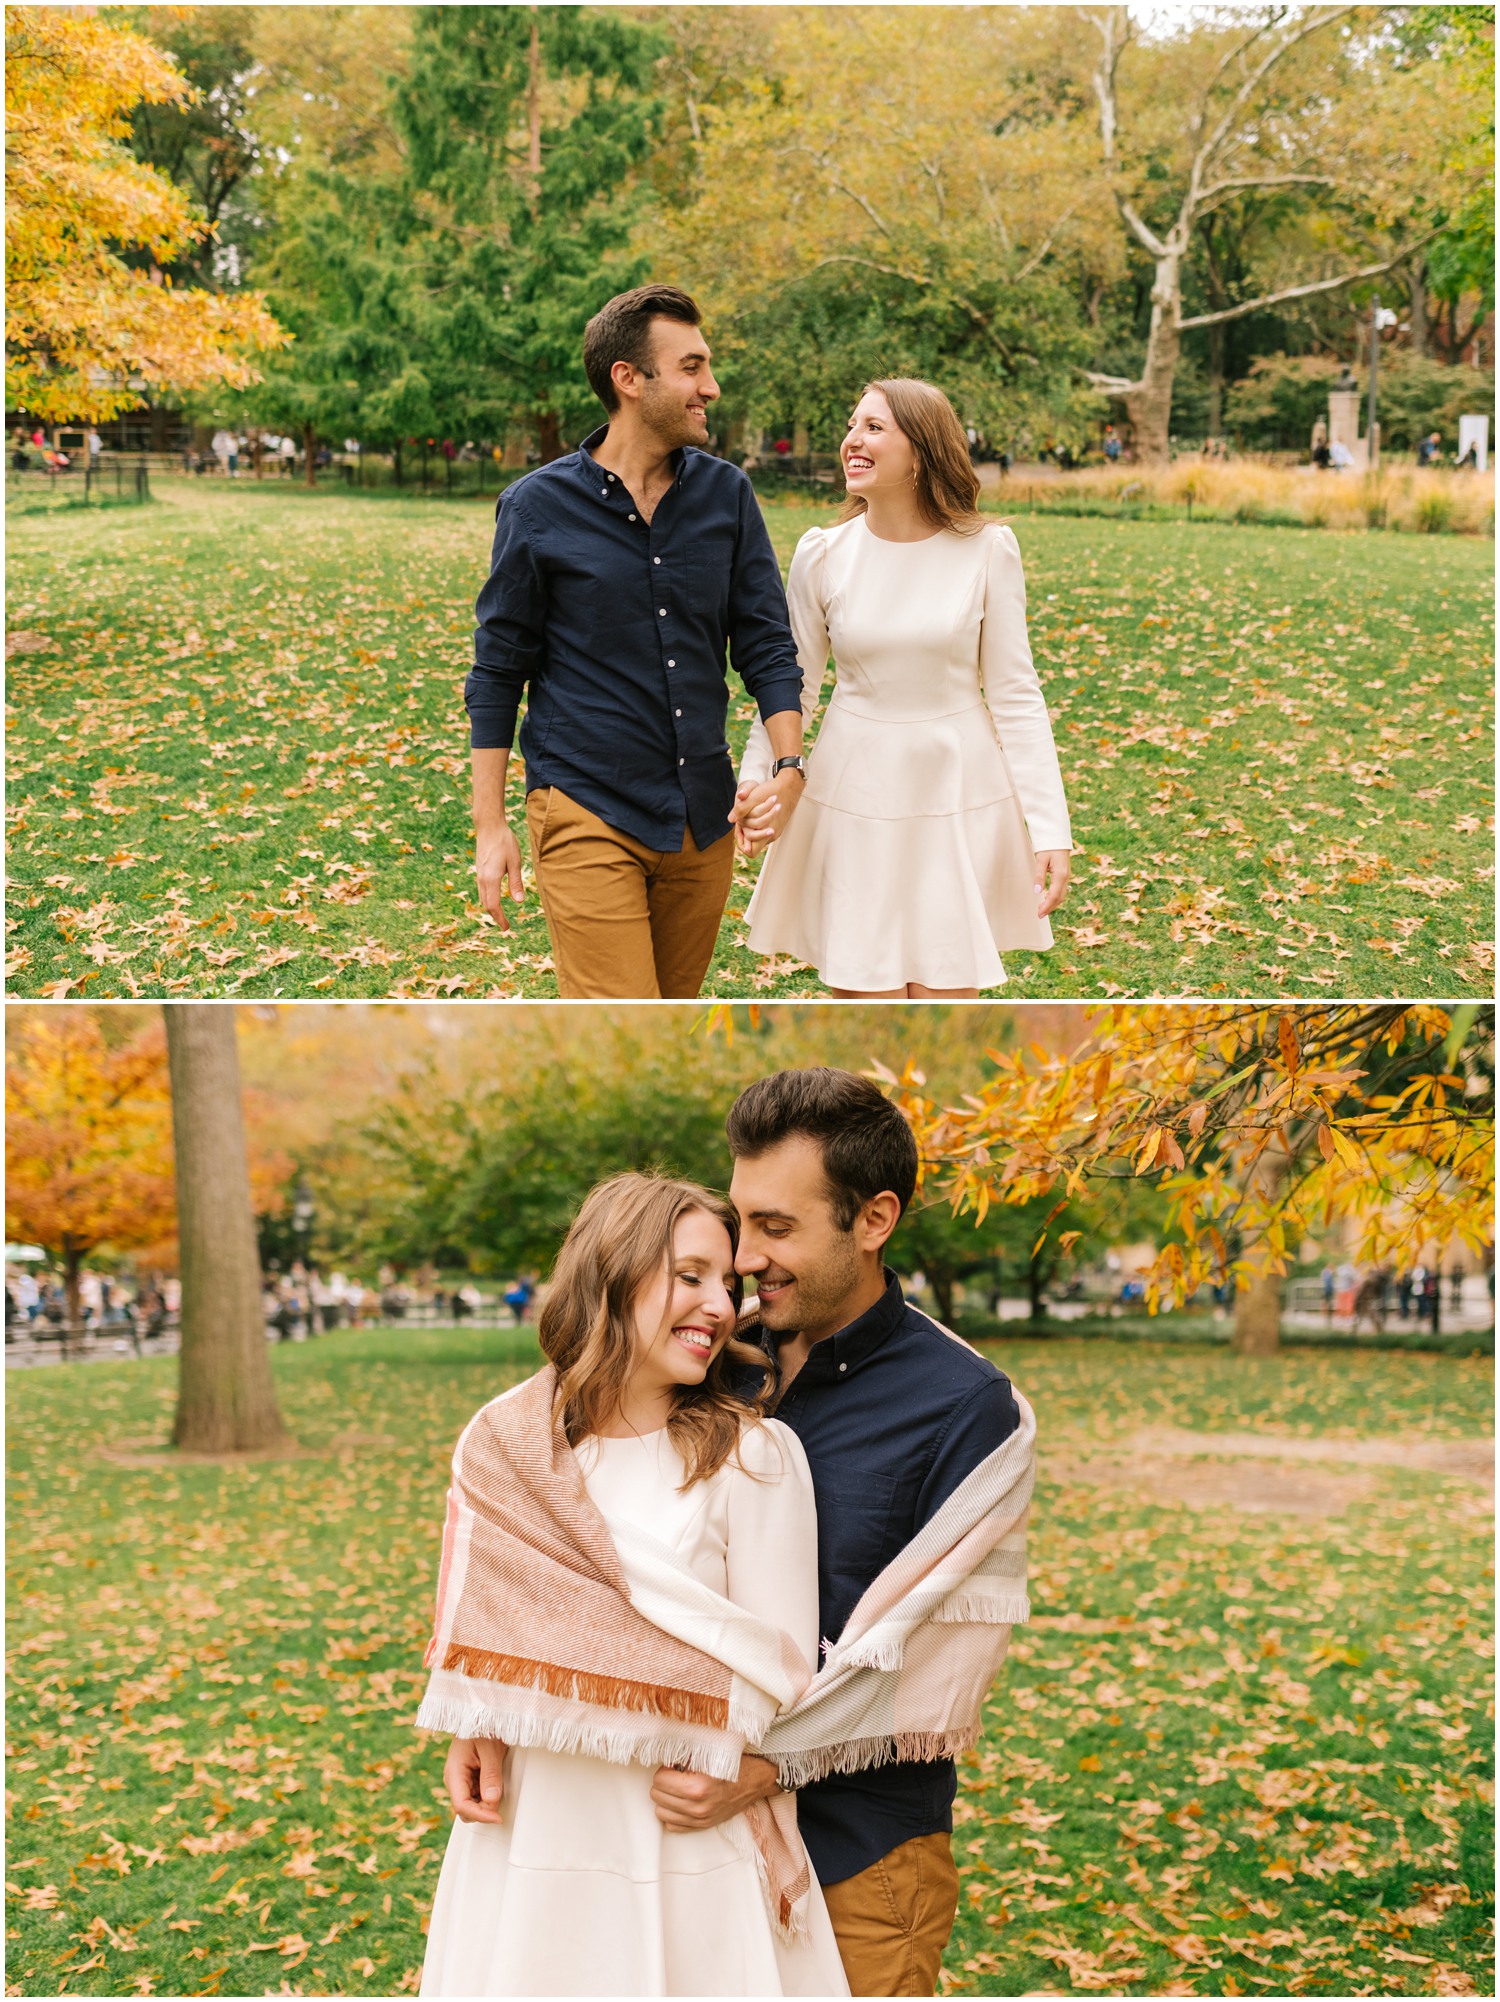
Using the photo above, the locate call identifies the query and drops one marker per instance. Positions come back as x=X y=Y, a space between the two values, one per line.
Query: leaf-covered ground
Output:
x=1236 y=1752
x=238 y=767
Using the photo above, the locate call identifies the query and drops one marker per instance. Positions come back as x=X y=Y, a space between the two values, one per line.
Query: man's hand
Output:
x=761 y=813
x=472 y=1773
x=688 y=1801
x=1058 y=863
x=497 y=865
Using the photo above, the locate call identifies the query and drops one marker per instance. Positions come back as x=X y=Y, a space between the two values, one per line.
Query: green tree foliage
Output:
x=446 y=293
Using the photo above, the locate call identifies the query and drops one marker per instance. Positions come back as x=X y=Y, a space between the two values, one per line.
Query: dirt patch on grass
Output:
x=1258 y=1490
x=162 y=1453
x=1466 y=1459
x=1209 y=1470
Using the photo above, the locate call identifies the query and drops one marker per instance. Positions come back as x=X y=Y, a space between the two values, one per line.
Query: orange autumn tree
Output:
x=80 y=323
x=1261 y=1127
x=88 y=1139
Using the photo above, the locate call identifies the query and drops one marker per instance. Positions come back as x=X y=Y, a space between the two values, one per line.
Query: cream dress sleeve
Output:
x=772 y=1536
x=1013 y=695
x=806 y=608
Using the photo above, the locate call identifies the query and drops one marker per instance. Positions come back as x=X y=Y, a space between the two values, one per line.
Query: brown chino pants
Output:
x=892 y=1921
x=627 y=923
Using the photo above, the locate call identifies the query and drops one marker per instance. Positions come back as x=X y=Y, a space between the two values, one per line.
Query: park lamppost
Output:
x=1381 y=317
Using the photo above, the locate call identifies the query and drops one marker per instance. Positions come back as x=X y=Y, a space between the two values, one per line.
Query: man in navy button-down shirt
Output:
x=893 y=1412
x=619 y=574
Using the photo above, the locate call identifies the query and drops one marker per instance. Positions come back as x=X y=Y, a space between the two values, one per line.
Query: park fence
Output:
x=44 y=1340
x=126 y=481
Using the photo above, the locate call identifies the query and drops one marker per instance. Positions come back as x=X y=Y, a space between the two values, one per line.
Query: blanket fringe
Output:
x=858 y=1755
x=789 y=1929
x=983 y=1609
x=611 y=1692
x=619 y=1747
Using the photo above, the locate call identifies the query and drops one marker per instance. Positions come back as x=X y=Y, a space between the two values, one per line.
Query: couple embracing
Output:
x=722 y=1595
x=927 y=832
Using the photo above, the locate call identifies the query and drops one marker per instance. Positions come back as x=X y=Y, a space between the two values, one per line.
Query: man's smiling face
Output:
x=675 y=396
x=804 y=1268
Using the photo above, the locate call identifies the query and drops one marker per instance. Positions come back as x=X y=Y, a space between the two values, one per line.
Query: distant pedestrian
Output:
x=1404 y=1289
x=1429 y=449
x=287 y=452
x=1112 y=445
x=1456 y=1292
x=1328 y=1296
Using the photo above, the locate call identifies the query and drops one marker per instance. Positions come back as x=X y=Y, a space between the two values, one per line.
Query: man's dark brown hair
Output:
x=867 y=1146
x=621 y=331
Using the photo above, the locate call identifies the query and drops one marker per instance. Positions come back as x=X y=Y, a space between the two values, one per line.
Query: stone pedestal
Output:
x=1343 y=427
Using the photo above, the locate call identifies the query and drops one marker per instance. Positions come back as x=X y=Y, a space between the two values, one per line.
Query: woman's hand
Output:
x=1056 y=864
x=473 y=1773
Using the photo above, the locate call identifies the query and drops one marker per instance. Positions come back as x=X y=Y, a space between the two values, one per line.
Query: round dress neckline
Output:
x=886 y=542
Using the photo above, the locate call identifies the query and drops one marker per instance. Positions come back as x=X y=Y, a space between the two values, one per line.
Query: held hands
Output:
x=497 y=866
x=686 y=1802
x=1057 y=863
x=473 y=1774
x=761 y=812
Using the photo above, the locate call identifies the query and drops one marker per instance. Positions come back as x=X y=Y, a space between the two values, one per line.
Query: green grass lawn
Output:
x=238 y=756
x=1236 y=1752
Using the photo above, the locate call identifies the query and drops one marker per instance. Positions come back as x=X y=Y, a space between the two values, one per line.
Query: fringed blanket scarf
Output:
x=556 y=1627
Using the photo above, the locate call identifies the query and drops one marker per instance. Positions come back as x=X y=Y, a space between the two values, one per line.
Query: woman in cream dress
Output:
x=568 y=1884
x=933 y=832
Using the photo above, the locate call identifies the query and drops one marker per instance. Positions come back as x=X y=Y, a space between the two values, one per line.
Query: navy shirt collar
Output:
x=840 y=1355
x=595 y=439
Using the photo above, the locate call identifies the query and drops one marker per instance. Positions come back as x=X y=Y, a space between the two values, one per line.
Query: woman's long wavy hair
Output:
x=947 y=485
x=620 y=1241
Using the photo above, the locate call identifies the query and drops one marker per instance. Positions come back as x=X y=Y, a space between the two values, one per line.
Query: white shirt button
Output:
x=661 y=611
x=843 y=1366
x=604 y=490
x=656 y=559
x=632 y=517
x=682 y=761
x=671 y=663
x=676 y=712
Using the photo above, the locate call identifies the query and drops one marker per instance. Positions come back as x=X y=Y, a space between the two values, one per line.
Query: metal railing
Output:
x=112 y=479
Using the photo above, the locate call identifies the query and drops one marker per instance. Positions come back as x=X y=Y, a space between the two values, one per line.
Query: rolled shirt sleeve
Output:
x=508 y=642
x=1013 y=695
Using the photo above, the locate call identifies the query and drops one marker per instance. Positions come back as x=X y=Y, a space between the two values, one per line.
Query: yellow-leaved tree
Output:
x=84 y=332
x=1260 y=1126
x=88 y=1139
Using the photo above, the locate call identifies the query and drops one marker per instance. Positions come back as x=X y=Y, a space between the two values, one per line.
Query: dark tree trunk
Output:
x=549 y=436
x=309 y=446
x=1216 y=346
x=941 y=1282
x=72 y=1268
x=226 y=1401
x=1416 y=287
x=1038 y=1272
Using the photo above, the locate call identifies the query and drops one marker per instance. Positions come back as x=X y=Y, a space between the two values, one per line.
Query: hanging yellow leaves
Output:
x=84 y=333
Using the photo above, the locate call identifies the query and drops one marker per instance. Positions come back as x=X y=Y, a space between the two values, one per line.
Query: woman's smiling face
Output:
x=685 y=1315
x=877 y=454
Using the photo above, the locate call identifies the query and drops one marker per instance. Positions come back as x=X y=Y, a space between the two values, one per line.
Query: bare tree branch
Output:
x=1313 y=25
x=1308 y=291
x=1265 y=181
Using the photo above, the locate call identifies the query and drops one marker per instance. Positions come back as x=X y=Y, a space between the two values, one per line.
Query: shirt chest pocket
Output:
x=854 y=1528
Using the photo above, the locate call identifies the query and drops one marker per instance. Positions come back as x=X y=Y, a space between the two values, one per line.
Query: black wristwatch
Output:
x=790 y=765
